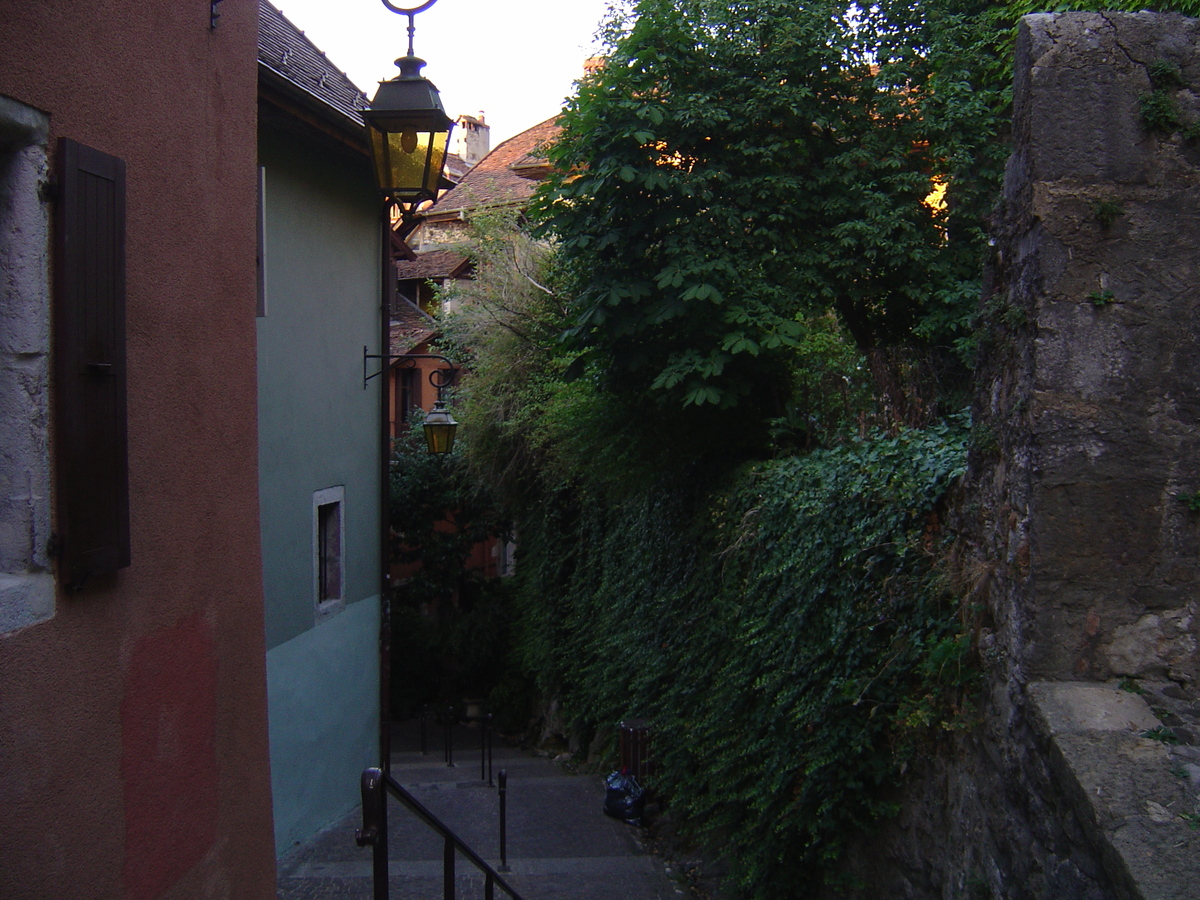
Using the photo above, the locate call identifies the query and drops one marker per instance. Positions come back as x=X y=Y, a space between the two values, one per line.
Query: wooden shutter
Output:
x=91 y=437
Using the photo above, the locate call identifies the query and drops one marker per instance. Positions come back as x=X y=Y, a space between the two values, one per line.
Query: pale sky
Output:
x=515 y=60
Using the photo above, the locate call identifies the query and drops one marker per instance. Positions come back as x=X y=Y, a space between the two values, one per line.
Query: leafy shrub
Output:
x=786 y=635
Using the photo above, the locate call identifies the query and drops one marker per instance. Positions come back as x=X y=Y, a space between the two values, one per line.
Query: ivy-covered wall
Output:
x=788 y=635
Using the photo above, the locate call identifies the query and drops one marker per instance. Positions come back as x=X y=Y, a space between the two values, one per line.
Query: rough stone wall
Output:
x=437 y=235
x=1100 y=256
x=1081 y=551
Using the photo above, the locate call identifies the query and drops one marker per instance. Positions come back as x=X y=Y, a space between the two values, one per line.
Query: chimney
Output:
x=472 y=138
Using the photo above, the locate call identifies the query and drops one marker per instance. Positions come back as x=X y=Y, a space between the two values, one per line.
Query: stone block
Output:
x=25 y=600
x=1115 y=391
x=1075 y=707
x=1079 y=92
x=1154 y=645
x=1123 y=786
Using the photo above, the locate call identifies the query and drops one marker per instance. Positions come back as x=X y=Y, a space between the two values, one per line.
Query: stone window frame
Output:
x=327 y=501
x=27 y=583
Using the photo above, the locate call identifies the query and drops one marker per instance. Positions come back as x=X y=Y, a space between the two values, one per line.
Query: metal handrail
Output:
x=376 y=785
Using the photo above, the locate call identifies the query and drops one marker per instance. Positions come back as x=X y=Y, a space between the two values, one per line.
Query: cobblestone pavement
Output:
x=560 y=844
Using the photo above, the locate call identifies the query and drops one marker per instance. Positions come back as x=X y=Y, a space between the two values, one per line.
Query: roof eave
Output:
x=292 y=98
x=460 y=215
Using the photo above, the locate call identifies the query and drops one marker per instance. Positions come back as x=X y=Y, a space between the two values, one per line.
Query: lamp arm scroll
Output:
x=411 y=13
x=438 y=378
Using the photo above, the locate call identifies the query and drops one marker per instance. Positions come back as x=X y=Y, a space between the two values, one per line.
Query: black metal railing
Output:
x=486 y=739
x=376 y=785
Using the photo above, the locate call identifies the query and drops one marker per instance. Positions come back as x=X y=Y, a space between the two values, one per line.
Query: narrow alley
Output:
x=560 y=844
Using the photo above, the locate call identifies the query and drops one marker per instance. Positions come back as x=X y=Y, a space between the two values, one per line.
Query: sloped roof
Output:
x=505 y=177
x=284 y=50
x=411 y=327
x=456 y=168
x=434 y=264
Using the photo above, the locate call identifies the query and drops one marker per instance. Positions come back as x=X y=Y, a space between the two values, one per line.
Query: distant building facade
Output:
x=471 y=140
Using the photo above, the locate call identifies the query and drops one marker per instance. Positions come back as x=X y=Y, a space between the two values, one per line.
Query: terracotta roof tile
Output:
x=434 y=264
x=456 y=168
x=505 y=177
x=411 y=327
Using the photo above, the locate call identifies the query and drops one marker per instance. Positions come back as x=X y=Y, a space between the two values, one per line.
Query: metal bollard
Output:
x=448 y=869
x=503 y=815
x=489 y=746
x=483 y=730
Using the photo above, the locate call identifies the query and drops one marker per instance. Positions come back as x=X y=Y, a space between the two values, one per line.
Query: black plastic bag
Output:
x=624 y=798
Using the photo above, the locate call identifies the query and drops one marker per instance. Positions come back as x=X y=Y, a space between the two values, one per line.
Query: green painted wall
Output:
x=318 y=428
x=323 y=709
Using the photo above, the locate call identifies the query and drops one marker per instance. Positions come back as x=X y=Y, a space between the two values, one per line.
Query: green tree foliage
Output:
x=737 y=239
x=528 y=427
x=505 y=323
x=735 y=166
x=830 y=392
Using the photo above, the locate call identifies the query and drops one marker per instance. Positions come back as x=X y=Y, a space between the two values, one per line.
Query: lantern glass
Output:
x=439 y=429
x=409 y=162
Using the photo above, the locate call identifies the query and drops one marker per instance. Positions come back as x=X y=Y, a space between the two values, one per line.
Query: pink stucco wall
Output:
x=133 y=738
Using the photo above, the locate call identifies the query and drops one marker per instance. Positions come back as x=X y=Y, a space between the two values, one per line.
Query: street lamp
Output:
x=409 y=130
x=408 y=133
x=439 y=426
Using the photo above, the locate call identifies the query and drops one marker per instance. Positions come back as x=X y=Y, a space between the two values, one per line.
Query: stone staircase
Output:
x=560 y=844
